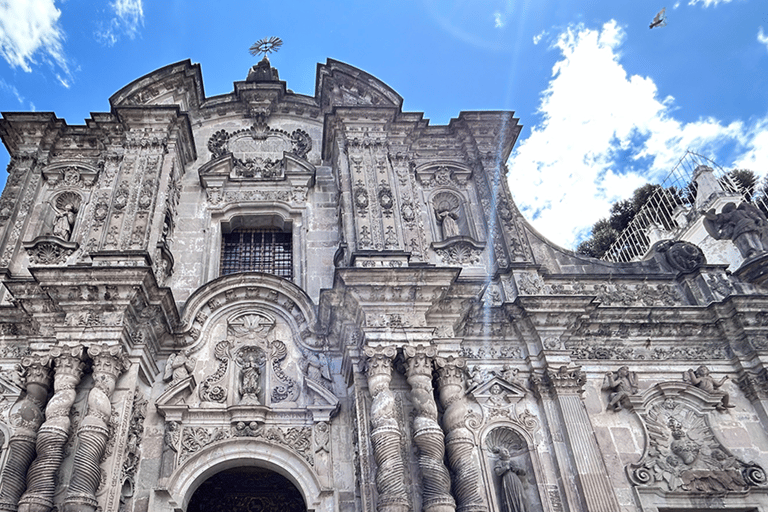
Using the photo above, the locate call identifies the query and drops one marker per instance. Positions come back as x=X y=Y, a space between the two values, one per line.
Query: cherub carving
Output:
x=622 y=383
x=478 y=375
x=745 y=225
x=178 y=367
x=703 y=380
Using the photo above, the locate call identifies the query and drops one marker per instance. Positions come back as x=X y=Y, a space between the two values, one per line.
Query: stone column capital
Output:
x=754 y=384
x=564 y=381
x=36 y=369
x=419 y=359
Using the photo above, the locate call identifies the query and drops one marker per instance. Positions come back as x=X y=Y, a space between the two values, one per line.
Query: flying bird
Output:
x=660 y=20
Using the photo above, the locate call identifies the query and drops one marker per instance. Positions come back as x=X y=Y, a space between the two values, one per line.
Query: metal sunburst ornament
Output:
x=266 y=46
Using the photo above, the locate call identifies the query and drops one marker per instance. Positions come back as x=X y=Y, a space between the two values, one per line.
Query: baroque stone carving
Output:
x=386 y=433
x=681 y=255
x=251 y=360
x=620 y=385
x=682 y=453
x=178 y=367
x=26 y=417
x=48 y=250
x=427 y=435
x=754 y=385
x=53 y=434
x=210 y=390
x=108 y=363
x=458 y=438
x=703 y=380
x=565 y=381
x=287 y=390
x=745 y=225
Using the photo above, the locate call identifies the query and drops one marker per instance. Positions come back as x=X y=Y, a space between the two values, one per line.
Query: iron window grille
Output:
x=257 y=250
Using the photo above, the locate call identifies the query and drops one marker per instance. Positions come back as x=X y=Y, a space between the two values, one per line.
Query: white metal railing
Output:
x=669 y=207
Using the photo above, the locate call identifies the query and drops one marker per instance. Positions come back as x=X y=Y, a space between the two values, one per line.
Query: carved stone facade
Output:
x=428 y=351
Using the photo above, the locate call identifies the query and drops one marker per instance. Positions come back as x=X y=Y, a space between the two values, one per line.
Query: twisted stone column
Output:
x=108 y=363
x=386 y=434
x=427 y=434
x=26 y=418
x=41 y=484
x=458 y=439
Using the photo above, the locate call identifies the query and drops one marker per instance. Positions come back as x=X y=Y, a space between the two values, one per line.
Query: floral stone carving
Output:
x=49 y=250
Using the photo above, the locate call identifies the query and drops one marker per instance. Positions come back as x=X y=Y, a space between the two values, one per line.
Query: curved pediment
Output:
x=339 y=84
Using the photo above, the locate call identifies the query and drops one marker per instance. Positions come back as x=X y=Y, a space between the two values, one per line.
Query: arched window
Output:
x=267 y=250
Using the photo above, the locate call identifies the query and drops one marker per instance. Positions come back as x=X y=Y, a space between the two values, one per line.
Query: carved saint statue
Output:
x=249 y=387
x=62 y=226
x=178 y=367
x=448 y=220
x=621 y=384
x=703 y=380
x=512 y=492
x=745 y=225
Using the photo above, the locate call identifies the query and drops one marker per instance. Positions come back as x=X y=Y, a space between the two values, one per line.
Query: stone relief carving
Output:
x=682 y=453
x=48 y=251
x=251 y=360
x=681 y=255
x=287 y=390
x=754 y=385
x=210 y=389
x=745 y=225
x=461 y=253
x=704 y=381
x=620 y=385
x=178 y=367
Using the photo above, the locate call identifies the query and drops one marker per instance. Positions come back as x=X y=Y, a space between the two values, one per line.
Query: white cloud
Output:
x=762 y=38
x=30 y=29
x=498 y=20
x=128 y=18
x=603 y=133
x=707 y=3
x=11 y=89
x=538 y=37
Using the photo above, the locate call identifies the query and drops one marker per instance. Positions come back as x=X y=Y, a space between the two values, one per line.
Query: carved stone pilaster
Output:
x=563 y=389
x=427 y=434
x=386 y=433
x=458 y=438
x=68 y=367
x=754 y=385
x=108 y=363
x=26 y=418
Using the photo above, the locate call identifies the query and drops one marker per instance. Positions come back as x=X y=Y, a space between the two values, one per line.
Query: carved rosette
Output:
x=386 y=434
x=26 y=418
x=108 y=363
x=459 y=440
x=427 y=434
x=41 y=479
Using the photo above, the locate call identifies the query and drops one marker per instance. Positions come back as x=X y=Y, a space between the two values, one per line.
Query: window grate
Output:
x=257 y=250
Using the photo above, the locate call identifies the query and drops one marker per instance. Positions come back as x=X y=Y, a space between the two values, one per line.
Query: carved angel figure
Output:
x=178 y=367
x=62 y=226
x=512 y=492
x=703 y=380
x=479 y=376
x=621 y=383
x=745 y=225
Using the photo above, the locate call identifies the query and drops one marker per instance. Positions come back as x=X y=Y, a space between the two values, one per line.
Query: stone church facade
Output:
x=270 y=301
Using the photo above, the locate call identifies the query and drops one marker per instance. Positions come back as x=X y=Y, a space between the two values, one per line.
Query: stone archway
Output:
x=247 y=489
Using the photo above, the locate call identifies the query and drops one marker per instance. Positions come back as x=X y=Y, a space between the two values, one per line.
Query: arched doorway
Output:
x=247 y=489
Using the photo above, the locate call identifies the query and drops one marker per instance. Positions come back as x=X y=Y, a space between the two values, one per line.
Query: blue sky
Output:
x=606 y=103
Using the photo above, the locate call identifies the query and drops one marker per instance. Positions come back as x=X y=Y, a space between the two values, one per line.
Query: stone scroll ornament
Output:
x=427 y=434
x=458 y=438
x=26 y=418
x=385 y=432
x=210 y=389
x=53 y=434
x=108 y=363
x=287 y=390
x=683 y=455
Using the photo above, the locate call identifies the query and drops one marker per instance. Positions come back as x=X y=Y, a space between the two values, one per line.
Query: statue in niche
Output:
x=447 y=208
x=703 y=380
x=62 y=226
x=178 y=367
x=621 y=383
x=745 y=225
x=251 y=360
x=512 y=492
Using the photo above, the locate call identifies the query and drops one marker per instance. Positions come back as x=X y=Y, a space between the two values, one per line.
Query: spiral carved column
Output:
x=386 y=434
x=53 y=435
x=26 y=418
x=108 y=363
x=427 y=434
x=458 y=439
